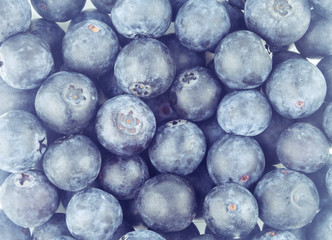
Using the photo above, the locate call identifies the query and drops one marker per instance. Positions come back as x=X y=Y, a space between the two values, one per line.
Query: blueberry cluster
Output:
x=145 y=118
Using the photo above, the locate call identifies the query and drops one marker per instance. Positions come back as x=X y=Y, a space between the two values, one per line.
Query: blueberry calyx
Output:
x=128 y=123
x=141 y=89
x=24 y=178
x=188 y=77
x=75 y=94
x=93 y=28
x=231 y=207
x=282 y=7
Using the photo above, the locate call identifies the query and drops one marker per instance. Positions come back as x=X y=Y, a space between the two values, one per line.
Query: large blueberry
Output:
x=178 y=147
x=90 y=47
x=246 y=113
x=279 y=22
x=58 y=11
x=296 y=88
x=141 y=18
x=235 y=159
x=195 y=94
x=303 y=147
x=201 y=24
x=11 y=231
x=287 y=199
x=19 y=50
x=67 y=102
x=123 y=176
x=28 y=199
x=145 y=68
x=125 y=125
x=241 y=60
x=23 y=141
x=72 y=163
x=167 y=203
x=93 y=214
x=15 y=17
x=230 y=210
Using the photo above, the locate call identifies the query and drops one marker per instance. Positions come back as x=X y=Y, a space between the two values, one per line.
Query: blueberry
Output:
x=142 y=235
x=104 y=6
x=28 y=199
x=296 y=88
x=195 y=94
x=123 y=176
x=201 y=24
x=279 y=22
x=235 y=159
x=11 y=231
x=287 y=199
x=54 y=227
x=67 y=102
x=230 y=210
x=183 y=57
x=246 y=113
x=328 y=181
x=241 y=60
x=16 y=99
x=23 y=141
x=321 y=226
x=90 y=47
x=186 y=234
x=145 y=68
x=15 y=17
x=72 y=163
x=166 y=203
x=325 y=66
x=93 y=214
x=125 y=125
x=140 y=18
x=58 y=11
x=303 y=147
x=178 y=147
x=19 y=49
x=315 y=43
x=271 y=234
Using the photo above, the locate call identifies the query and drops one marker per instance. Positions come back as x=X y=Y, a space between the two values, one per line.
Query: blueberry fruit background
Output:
x=165 y=119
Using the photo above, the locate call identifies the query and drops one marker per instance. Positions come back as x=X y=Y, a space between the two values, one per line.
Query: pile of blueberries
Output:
x=140 y=131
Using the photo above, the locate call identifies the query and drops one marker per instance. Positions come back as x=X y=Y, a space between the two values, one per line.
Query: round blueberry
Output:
x=246 y=113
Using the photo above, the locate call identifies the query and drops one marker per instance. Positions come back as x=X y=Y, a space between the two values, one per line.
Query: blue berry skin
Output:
x=176 y=5
x=140 y=18
x=51 y=33
x=212 y=130
x=23 y=141
x=268 y=138
x=142 y=235
x=303 y=147
x=186 y=234
x=97 y=45
x=58 y=11
x=279 y=22
x=67 y=102
x=195 y=94
x=145 y=68
x=328 y=181
x=270 y=234
x=122 y=230
x=183 y=57
x=178 y=147
x=125 y=125
x=72 y=163
x=205 y=237
x=167 y=203
x=93 y=214
x=246 y=113
x=91 y=14
x=321 y=226
x=296 y=88
x=323 y=8
x=230 y=210
x=63 y=238
x=287 y=199
x=248 y=237
x=315 y=43
x=123 y=176
x=55 y=227
x=104 y=6
x=325 y=66
x=236 y=17
x=201 y=24
x=16 y=99
x=11 y=231
x=235 y=159
x=28 y=199
x=108 y=84
x=241 y=60
x=15 y=17
x=282 y=56
x=19 y=49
